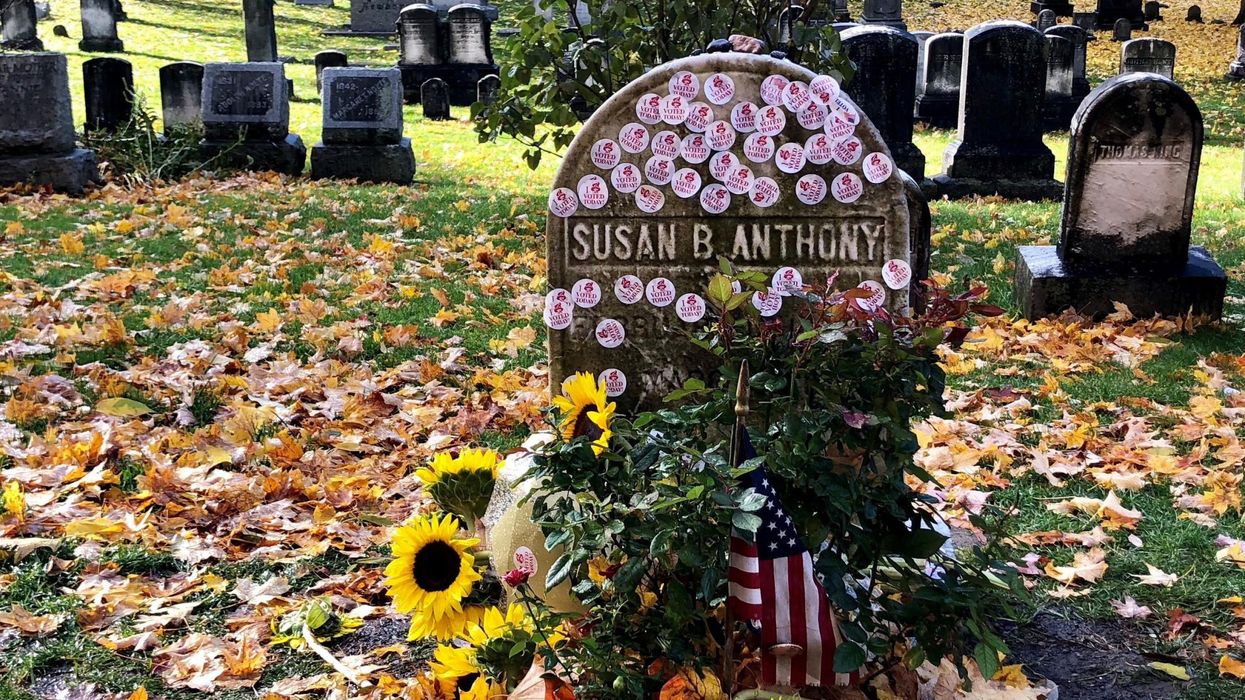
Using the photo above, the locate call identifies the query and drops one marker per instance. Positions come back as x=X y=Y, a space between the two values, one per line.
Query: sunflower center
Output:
x=585 y=426
x=436 y=566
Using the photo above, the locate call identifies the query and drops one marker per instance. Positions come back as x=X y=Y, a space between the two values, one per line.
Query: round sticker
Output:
x=825 y=89
x=691 y=308
x=628 y=289
x=796 y=96
x=625 y=178
x=615 y=382
x=610 y=333
x=772 y=89
x=648 y=108
x=659 y=170
x=722 y=164
x=769 y=302
x=559 y=309
x=660 y=292
x=525 y=560
x=739 y=180
x=685 y=84
x=699 y=115
x=813 y=116
x=759 y=148
x=686 y=183
x=593 y=192
x=633 y=137
x=764 y=192
x=649 y=199
x=844 y=107
x=721 y=135
x=877 y=293
x=720 y=89
x=896 y=274
x=674 y=109
x=819 y=149
x=848 y=151
x=695 y=149
x=605 y=154
x=666 y=144
x=563 y=202
x=878 y=167
x=771 y=120
x=838 y=128
x=787 y=280
x=715 y=198
x=847 y=188
x=790 y=158
x=811 y=189
x=744 y=117
x=586 y=293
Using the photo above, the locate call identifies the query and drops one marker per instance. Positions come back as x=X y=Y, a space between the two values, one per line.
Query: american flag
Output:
x=773 y=585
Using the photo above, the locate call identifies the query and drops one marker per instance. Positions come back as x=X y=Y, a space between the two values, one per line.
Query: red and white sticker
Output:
x=790 y=158
x=649 y=199
x=715 y=198
x=847 y=188
x=691 y=308
x=896 y=274
x=722 y=164
x=610 y=333
x=586 y=293
x=771 y=120
x=563 y=202
x=744 y=117
x=666 y=144
x=628 y=289
x=769 y=302
x=811 y=189
x=739 y=180
x=796 y=96
x=648 y=108
x=525 y=561
x=772 y=89
x=765 y=192
x=660 y=292
x=825 y=88
x=819 y=149
x=659 y=170
x=759 y=148
x=674 y=109
x=633 y=137
x=626 y=178
x=593 y=192
x=606 y=154
x=699 y=115
x=877 y=293
x=721 y=135
x=695 y=149
x=559 y=309
x=615 y=382
x=844 y=106
x=685 y=84
x=720 y=89
x=838 y=128
x=813 y=116
x=686 y=183
x=848 y=151
x=787 y=280
x=878 y=167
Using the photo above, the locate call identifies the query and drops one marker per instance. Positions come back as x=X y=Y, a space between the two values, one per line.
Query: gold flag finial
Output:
x=741 y=392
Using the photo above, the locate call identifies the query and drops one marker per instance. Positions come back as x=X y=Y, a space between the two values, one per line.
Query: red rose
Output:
x=517 y=577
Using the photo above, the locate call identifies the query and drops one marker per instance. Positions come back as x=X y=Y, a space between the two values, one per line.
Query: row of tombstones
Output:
x=99 y=25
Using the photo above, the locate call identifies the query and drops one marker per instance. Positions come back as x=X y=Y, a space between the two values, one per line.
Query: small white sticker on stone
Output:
x=629 y=289
x=739 y=180
x=838 y=128
x=674 y=109
x=845 y=108
x=587 y=293
x=896 y=274
x=811 y=189
x=610 y=333
x=819 y=149
x=847 y=188
x=685 y=84
x=790 y=158
x=691 y=308
x=878 y=167
x=877 y=293
x=563 y=202
x=769 y=302
x=625 y=178
x=796 y=96
x=759 y=148
x=699 y=115
x=813 y=117
x=772 y=88
x=525 y=561
x=720 y=88
x=633 y=137
x=715 y=198
x=660 y=292
x=744 y=117
x=721 y=135
x=666 y=144
x=593 y=191
x=559 y=309
x=787 y=280
x=771 y=120
x=615 y=382
x=659 y=170
x=649 y=199
x=848 y=151
x=606 y=154
x=765 y=192
x=648 y=108
x=695 y=149
x=825 y=88
x=686 y=183
x=722 y=164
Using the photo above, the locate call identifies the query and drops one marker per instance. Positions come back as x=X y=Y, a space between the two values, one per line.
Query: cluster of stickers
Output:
x=732 y=147
x=660 y=292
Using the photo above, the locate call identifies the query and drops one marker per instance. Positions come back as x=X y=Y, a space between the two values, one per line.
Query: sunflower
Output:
x=495 y=625
x=585 y=410
x=462 y=484
x=433 y=569
x=458 y=665
x=454 y=623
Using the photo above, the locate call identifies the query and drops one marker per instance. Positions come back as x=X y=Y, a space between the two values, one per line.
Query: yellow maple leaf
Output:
x=1229 y=666
x=14 y=228
x=1204 y=406
x=71 y=244
x=443 y=318
x=267 y=321
x=1088 y=566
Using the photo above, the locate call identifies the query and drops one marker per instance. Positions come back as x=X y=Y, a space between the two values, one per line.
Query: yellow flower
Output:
x=445 y=465
x=495 y=624
x=14 y=500
x=433 y=569
x=585 y=410
x=462 y=484
x=451 y=663
x=483 y=689
x=454 y=623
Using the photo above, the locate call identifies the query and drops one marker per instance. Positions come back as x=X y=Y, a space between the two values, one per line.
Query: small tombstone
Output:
x=374 y=16
x=246 y=117
x=885 y=60
x=888 y=12
x=1127 y=213
x=1194 y=14
x=99 y=27
x=1046 y=19
x=362 y=127
x=1236 y=69
x=181 y=94
x=119 y=11
x=492 y=12
x=839 y=11
x=1154 y=11
x=1149 y=55
x=1060 y=60
x=999 y=149
x=419 y=36
x=920 y=226
x=1080 y=59
x=786 y=19
x=1112 y=11
x=470 y=33
x=939 y=102
x=1061 y=8
x=315 y=3
x=108 y=84
x=1088 y=21
x=37 y=141
x=1123 y=30
x=329 y=59
x=18 y=26
x=487 y=89
x=434 y=95
x=261 y=30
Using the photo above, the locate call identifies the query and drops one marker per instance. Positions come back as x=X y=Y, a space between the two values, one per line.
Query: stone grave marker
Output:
x=1046 y=19
x=1080 y=51
x=839 y=11
x=921 y=39
x=1060 y=59
x=883 y=86
x=18 y=26
x=420 y=43
x=319 y=3
x=119 y=11
x=888 y=12
x=939 y=102
x=374 y=16
x=920 y=244
x=492 y=12
x=1236 y=69
x=1127 y=213
x=362 y=128
x=434 y=95
x=487 y=89
x=246 y=117
x=261 y=30
x=999 y=148
x=99 y=27
x=108 y=84
x=329 y=58
x=37 y=142
x=470 y=36
x=1123 y=30
x=1153 y=11
x=1194 y=15
x=1112 y=11
x=1149 y=55
x=43 y=10
x=181 y=94
x=634 y=235
x=1087 y=21
x=1061 y=8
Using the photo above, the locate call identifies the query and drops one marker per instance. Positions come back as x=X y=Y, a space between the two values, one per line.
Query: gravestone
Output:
x=108 y=84
x=999 y=149
x=119 y=11
x=318 y=3
x=1046 y=19
x=1236 y=69
x=646 y=247
x=362 y=128
x=455 y=48
x=99 y=27
x=492 y=12
x=1194 y=14
x=921 y=39
x=487 y=89
x=1149 y=55
x=434 y=95
x=839 y=11
x=1240 y=15
x=1127 y=213
x=1123 y=30
x=374 y=16
x=883 y=85
x=419 y=36
x=43 y=10
x=1153 y=11
x=470 y=36
x=37 y=142
x=841 y=27
x=18 y=26
x=939 y=102
x=246 y=117
x=888 y=12
x=790 y=15
x=328 y=59
x=1061 y=8
x=1060 y=60
x=1087 y=21
x=1080 y=60
x=261 y=30
x=181 y=94
x=1112 y=11
x=920 y=244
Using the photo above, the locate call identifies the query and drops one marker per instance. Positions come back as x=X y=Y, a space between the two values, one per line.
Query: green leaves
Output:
x=559 y=572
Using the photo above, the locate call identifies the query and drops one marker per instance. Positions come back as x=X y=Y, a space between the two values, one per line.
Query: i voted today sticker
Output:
x=715 y=198
x=769 y=303
x=559 y=309
x=625 y=178
x=787 y=280
x=563 y=202
x=666 y=144
x=586 y=293
x=744 y=117
x=615 y=382
x=848 y=151
x=634 y=138
x=878 y=167
x=674 y=109
x=699 y=116
x=606 y=154
x=896 y=274
x=648 y=108
x=790 y=158
x=610 y=333
x=691 y=308
x=659 y=170
x=838 y=128
x=811 y=189
x=765 y=192
x=722 y=164
x=649 y=199
x=819 y=149
x=771 y=120
x=847 y=188
x=825 y=88
x=593 y=192
x=628 y=289
x=796 y=96
x=759 y=148
x=846 y=109
x=686 y=183
x=813 y=116
x=720 y=88
x=877 y=293
x=772 y=89
x=695 y=149
x=685 y=84
x=721 y=135
x=739 y=180
x=660 y=292
x=525 y=560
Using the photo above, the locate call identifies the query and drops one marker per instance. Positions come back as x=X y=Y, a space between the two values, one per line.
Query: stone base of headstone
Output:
x=939 y=111
x=347 y=31
x=32 y=44
x=1061 y=9
x=966 y=187
x=368 y=163
x=1236 y=71
x=288 y=156
x=66 y=172
x=461 y=79
x=909 y=159
x=322 y=3
x=1057 y=113
x=102 y=46
x=984 y=171
x=1044 y=286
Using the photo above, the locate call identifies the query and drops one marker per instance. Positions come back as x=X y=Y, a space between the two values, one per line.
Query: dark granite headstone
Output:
x=888 y=12
x=1194 y=14
x=1123 y=30
x=1111 y=11
x=419 y=34
x=435 y=98
x=37 y=140
x=99 y=27
x=18 y=26
x=999 y=149
x=109 y=87
x=1046 y=19
x=362 y=127
x=839 y=11
x=1080 y=60
x=1153 y=11
x=455 y=47
x=919 y=238
x=119 y=12
x=1149 y=55
x=246 y=117
x=487 y=89
x=790 y=15
x=921 y=38
x=1060 y=60
x=841 y=27
x=329 y=59
x=1061 y=8
x=1239 y=20
x=43 y=9
x=1087 y=21
x=181 y=94
x=1236 y=69
x=883 y=86
x=939 y=102
x=261 y=30
x=1128 y=209
x=375 y=16
x=470 y=36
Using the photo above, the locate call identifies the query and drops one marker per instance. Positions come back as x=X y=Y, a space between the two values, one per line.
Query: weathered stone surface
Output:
x=181 y=94
x=375 y=16
x=1194 y=14
x=419 y=36
x=469 y=36
x=1061 y=8
x=435 y=98
x=394 y=162
x=885 y=60
x=1148 y=55
x=1046 y=19
x=1123 y=30
x=1060 y=57
x=245 y=97
x=920 y=228
x=1153 y=11
x=261 y=30
x=1087 y=21
x=18 y=26
x=36 y=114
x=362 y=106
x=938 y=103
x=287 y=155
x=1080 y=51
x=1111 y=11
x=487 y=89
x=887 y=12
x=99 y=27
x=109 y=87
x=681 y=241
x=1236 y=69
x=63 y=172
x=329 y=58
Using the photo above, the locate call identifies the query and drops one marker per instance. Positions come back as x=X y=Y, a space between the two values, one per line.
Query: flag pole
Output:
x=741 y=419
